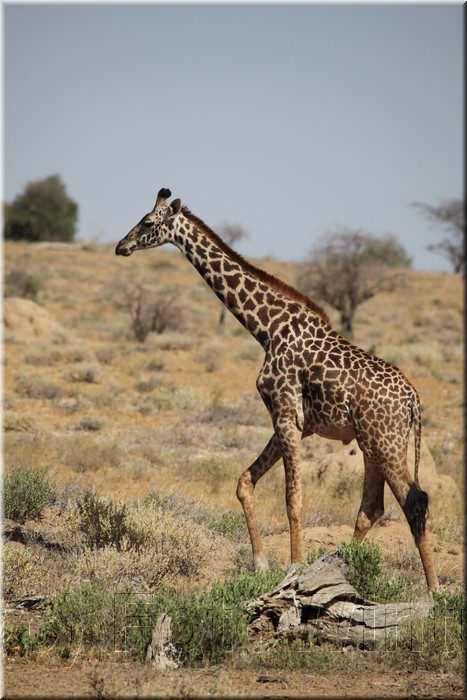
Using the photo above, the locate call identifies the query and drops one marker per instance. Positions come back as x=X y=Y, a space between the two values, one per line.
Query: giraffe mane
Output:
x=272 y=281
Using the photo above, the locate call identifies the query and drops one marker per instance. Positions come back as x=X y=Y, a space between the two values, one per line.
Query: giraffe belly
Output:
x=335 y=432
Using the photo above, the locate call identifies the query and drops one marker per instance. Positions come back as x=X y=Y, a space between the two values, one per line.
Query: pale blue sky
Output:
x=288 y=119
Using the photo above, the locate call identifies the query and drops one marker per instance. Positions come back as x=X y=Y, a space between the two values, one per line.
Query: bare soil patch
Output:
x=123 y=679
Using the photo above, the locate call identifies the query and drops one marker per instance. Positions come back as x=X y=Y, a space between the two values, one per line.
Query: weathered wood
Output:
x=160 y=650
x=30 y=602
x=318 y=602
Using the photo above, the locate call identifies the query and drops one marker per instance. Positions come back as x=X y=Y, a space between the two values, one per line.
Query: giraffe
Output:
x=313 y=381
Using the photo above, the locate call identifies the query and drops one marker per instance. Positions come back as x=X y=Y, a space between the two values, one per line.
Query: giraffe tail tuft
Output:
x=416 y=510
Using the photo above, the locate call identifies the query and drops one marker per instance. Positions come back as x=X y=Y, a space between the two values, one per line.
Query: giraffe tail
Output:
x=416 y=510
x=416 y=504
x=417 y=424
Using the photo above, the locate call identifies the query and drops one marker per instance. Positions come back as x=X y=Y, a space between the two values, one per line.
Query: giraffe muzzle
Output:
x=123 y=249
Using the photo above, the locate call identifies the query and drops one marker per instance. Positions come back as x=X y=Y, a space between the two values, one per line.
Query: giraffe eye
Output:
x=147 y=224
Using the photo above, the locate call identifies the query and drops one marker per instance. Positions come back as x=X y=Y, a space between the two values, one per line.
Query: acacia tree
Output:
x=43 y=212
x=449 y=214
x=347 y=267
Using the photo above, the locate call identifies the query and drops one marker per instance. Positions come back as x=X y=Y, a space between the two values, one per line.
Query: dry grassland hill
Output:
x=178 y=411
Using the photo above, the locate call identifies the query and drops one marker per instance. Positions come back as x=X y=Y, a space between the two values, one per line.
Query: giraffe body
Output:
x=312 y=381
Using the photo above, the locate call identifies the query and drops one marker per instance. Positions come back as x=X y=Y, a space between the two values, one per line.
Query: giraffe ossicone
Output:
x=313 y=381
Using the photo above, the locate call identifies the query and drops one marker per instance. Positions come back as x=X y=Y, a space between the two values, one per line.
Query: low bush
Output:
x=210 y=625
x=366 y=574
x=90 y=424
x=140 y=542
x=437 y=642
x=231 y=524
x=207 y=626
x=152 y=311
x=100 y=520
x=90 y=615
x=38 y=387
x=19 y=283
x=23 y=571
x=26 y=493
x=84 y=453
x=18 y=422
x=315 y=554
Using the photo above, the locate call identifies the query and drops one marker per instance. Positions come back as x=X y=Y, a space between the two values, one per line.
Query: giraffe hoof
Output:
x=260 y=562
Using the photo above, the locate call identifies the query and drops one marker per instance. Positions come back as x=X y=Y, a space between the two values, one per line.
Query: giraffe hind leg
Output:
x=416 y=511
x=372 y=505
x=414 y=503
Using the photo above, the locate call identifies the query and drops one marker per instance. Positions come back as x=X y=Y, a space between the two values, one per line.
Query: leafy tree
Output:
x=43 y=212
x=449 y=214
x=347 y=267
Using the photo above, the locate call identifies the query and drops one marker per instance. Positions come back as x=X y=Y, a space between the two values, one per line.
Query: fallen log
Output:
x=318 y=602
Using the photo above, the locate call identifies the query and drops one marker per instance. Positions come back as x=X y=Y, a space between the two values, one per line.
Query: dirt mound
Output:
x=339 y=465
x=25 y=320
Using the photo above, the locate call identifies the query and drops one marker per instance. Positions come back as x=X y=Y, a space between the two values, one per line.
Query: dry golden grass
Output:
x=179 y=412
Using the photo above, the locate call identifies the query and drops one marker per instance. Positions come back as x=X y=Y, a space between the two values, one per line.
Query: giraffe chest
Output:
x=327 y=407
x=322 y=397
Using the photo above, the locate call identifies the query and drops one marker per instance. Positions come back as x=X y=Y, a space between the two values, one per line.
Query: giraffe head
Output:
x=154 y=229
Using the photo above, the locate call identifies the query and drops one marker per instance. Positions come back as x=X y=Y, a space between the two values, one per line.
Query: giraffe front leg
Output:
x=289 y=437
x=245 y=492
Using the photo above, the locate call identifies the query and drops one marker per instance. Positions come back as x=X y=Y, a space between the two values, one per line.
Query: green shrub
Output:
x=90 y=615
x=42 y=212
x=451 y=604
x=366 y=574
x=315 y=554
x=100 y=520
x=17 y=639
x=25 y=570
x=437 y=642
x=19 y=283
x=231 y=524
x=216 y=468
x=25 y=494
x=207 y=626
x=347 y=484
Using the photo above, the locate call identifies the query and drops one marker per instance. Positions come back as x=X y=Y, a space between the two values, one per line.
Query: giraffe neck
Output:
x=258 y=300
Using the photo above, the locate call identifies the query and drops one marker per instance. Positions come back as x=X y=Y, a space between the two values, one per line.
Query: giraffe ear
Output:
x=175 y=207
x=173 y=211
